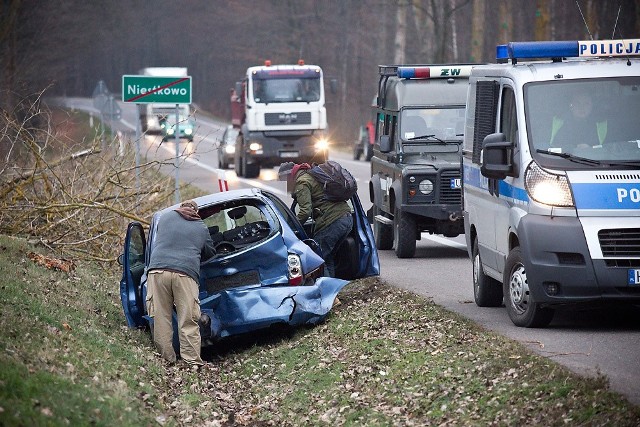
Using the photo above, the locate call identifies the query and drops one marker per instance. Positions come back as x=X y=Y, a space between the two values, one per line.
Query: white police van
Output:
x=551 y=177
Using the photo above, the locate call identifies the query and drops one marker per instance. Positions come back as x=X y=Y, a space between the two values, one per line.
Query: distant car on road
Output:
x=267 y=270
x=227 y=147
x=168 y=127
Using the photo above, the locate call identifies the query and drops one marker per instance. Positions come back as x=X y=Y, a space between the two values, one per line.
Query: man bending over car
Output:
x=182 y=241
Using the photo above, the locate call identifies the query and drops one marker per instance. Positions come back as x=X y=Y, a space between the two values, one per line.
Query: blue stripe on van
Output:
x=473 y=178
x=606 y=195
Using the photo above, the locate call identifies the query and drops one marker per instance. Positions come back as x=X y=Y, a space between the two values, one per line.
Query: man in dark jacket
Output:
x=332 y=220
x=181 y=243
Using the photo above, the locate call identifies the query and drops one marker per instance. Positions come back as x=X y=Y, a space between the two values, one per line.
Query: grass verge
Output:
x=383 y=357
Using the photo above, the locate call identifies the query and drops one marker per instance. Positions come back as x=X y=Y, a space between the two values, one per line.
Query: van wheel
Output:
x=521 y=305
x=382 y=233
x=404 y=234
x=487 y=291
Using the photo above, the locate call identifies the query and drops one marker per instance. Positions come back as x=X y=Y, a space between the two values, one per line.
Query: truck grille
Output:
x=278 y=119
x=621 y=242
x=450 y=195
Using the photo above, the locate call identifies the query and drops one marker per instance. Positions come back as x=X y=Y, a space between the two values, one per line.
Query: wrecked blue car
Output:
x=266 y=272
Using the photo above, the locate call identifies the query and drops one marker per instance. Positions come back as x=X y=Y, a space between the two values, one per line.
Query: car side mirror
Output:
x=121 y=259
x=385 y=144
x=496 y=157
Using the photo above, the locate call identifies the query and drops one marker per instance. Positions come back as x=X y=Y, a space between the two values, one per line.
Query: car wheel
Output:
x=404 y=234
x=487 y=291
x=356 y=153
x=221 y=163
x=382 y=233
x=522 y=308
x=237 y=164
x=369 y=152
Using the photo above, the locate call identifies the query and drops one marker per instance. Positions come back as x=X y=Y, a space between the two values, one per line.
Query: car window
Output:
x=286 y=213
x=230 y=136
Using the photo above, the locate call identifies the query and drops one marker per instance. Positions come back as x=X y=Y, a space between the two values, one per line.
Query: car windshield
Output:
x=271 y=90
x=230 y=136
x=171 y=119
x=432 y=125
x=584 y=123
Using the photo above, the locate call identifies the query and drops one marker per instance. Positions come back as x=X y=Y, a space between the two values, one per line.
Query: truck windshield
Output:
x=584 y=123
x=266 y=91
x=432 y=125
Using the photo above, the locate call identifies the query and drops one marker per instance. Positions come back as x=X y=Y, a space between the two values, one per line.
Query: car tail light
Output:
x=294 y=267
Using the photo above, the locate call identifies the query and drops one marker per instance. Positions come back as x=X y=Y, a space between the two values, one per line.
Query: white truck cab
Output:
x=551 y=177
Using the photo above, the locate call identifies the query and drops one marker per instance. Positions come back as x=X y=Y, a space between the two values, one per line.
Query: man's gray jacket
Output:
x=180 y=245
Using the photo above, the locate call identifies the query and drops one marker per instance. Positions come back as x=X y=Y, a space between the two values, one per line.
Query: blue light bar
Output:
x=528 y=50
x=568 y=49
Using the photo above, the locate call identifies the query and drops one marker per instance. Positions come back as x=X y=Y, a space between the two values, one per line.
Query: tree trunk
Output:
x=541 y=29
x=477 y=31
x=401 y=33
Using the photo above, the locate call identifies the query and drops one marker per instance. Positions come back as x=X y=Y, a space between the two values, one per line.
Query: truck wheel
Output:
x=521 y=306
x=487 y=291
x=382 y=233
x=404 y=234
x=250 y=170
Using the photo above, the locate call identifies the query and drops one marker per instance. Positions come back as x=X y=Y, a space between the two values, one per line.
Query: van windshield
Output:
x=431 y=125
x=584 y=123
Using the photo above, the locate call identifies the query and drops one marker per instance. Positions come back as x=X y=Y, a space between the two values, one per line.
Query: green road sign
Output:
x=145 y=89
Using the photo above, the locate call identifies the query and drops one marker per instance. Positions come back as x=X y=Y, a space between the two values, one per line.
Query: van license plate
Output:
x=634 y=276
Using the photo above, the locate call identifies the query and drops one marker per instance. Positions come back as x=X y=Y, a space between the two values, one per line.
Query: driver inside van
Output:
x=581 y=128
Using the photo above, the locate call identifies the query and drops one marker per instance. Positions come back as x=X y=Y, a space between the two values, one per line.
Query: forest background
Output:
x=63 y=48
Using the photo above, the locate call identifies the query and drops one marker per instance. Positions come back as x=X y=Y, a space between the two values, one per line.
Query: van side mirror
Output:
x=385 y=144
x=239 y=90
x=496 y=157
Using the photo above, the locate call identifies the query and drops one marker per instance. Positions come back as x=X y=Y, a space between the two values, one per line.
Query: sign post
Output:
x=147 y=89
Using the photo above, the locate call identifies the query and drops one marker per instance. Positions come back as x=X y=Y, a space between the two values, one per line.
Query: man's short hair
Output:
x=189 y=203
x=285 y=170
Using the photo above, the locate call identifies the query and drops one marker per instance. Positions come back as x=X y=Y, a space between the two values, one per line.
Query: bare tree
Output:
x=477 y=30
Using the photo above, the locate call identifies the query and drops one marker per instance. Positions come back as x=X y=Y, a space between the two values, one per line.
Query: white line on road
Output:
x=445 y=241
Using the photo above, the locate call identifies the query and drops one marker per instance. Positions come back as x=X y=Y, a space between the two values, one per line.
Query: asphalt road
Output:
x=604 y=341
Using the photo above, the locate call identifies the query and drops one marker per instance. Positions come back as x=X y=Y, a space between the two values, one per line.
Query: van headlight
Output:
x=547 y=188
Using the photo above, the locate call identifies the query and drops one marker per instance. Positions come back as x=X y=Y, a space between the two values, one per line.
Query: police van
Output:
x=551 y=177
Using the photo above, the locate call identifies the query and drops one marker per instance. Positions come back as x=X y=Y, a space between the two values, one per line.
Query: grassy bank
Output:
x=383 y=357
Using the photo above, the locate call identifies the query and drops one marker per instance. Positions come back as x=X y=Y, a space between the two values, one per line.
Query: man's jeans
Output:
x=329 y=240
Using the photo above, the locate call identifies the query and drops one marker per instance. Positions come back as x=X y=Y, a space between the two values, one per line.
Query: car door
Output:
x=133 y=269
x=357 y=256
